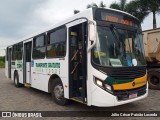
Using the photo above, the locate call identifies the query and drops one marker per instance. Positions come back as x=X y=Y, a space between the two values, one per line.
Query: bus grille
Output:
x=128 y=73
x=124 y=94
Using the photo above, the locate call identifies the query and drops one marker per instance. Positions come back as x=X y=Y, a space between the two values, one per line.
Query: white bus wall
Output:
x=40 y=76
x=12 y=71
x=91 y=87
x=20 y=71
x=20 y=75
x=6 y=69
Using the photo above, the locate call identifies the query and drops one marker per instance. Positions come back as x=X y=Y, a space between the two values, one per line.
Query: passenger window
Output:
x=19 y=51
x=56 y=46
x=39 y=47
x=14 y=52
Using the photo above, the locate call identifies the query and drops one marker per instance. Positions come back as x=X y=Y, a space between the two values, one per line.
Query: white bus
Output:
x=96 y=57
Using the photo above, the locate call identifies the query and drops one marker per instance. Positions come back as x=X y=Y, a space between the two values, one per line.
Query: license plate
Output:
x=132 y=95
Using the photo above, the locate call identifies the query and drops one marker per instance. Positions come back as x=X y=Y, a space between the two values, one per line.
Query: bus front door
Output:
x=77 y=62
x=27 y=63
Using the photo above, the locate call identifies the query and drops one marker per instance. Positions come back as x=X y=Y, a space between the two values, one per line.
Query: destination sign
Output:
x=117 y=17
x=119 y=20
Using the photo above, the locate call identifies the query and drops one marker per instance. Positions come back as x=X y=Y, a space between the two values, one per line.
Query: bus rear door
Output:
x=27 y=63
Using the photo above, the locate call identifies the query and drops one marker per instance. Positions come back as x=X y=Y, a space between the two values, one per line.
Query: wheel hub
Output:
x=58 y=91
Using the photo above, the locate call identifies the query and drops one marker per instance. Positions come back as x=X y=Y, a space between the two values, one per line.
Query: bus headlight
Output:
x=99 y=83
x=108 y=87
x=103 y=85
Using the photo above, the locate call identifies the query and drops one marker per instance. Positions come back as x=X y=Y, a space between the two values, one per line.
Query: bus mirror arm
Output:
x=89 y=49
x=92 y=34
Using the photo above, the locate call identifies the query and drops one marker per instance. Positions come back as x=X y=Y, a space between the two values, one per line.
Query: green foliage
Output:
x=120 y=5
x=102 y=5
x=133 y=7
x=92 y=5
x=76 y=11
x=151 y=6
x=139 y=8
x=2 y=59
x=2 y=65
x=2 y=62
x=115 y=6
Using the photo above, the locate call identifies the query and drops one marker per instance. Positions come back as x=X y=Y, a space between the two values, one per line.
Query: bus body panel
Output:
x=27 y=51
x=28 y=72
x=43 y=69
x=102 y=98
x=6 y=69
x=6 y=63
x=19 y=69
x=13 y=68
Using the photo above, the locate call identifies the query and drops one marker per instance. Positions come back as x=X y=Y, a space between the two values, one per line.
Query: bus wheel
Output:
x=154 y=80
x=58 y=92
x=16 y=80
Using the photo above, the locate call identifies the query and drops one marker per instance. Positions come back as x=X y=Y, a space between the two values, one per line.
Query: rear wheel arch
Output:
x=50 y=83
x=16 y=79
x=15 y=72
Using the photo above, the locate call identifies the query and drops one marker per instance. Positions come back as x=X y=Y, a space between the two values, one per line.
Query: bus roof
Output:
x=84 y=14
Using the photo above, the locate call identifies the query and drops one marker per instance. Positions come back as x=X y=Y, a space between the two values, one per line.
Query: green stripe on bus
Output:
x=112 y=81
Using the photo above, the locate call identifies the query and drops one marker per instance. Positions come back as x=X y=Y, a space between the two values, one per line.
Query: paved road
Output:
x=29 y=99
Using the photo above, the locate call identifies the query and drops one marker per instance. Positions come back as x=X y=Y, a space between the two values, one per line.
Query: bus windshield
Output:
x=118 y=47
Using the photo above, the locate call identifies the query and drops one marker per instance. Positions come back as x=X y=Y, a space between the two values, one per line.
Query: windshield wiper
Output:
x=116 y=34
x=118 y=38
x=112 y=27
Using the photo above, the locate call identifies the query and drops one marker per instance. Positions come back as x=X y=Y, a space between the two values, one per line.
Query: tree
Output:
x=119 y=6
x=139 y=8
x=92 y=5
x=152 y=6
x=102 y=5
x=133 y=7
x=76 y=11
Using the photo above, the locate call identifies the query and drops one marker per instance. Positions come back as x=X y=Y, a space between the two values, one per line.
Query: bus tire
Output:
x=58 y=92
x=16 y=80
x=154 y=80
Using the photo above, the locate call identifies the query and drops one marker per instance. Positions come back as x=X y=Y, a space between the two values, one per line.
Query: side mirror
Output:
x=92 y=31
x=92 y=34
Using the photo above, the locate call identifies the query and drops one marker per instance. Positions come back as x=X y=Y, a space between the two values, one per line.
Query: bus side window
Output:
x=19 y=51
x=39 y=47
x=56 y=46
x=14 y=49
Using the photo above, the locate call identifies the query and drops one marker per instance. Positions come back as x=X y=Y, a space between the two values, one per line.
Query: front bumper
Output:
x=102 y=98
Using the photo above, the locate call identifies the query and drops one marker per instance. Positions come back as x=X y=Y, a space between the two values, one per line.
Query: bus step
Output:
x=27 y=85
x=78 y=99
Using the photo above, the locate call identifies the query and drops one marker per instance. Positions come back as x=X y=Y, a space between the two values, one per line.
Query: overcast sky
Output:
x=19 y=18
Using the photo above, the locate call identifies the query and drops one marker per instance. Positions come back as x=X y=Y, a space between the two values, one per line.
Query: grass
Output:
x=2 y=65
x=2 y=62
